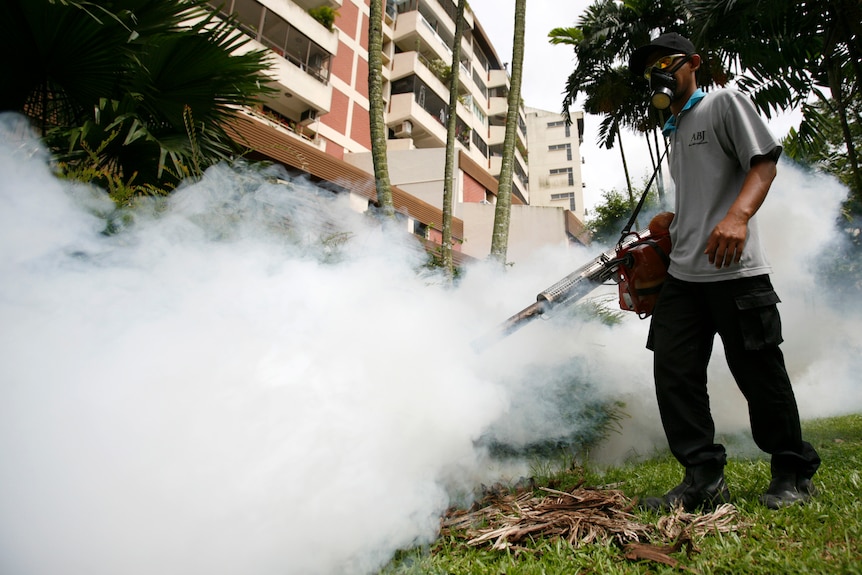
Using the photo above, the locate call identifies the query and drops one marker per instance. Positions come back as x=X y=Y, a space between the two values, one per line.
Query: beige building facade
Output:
x=321 y=76
x=555 y=160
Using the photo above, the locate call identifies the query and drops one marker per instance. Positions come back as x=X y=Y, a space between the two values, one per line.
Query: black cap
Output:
x=670 y=42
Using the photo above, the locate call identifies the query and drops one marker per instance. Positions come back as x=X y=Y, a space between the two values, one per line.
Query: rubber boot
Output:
x=787 y=489
x=702 y=487
x=805 y=486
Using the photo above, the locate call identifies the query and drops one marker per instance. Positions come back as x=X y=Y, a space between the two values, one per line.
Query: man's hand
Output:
x=726 y=241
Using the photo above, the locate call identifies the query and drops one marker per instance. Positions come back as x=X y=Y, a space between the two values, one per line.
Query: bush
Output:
x=325 y=15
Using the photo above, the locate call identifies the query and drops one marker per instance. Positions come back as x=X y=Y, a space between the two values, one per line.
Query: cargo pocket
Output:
x=650 y=338
x=759 y=320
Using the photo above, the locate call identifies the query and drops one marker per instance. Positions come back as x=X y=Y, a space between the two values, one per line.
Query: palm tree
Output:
x=502 y=211
x=606 y=86
x=377 y=126
x=800 y=49
x=605 y=35
x=451 y=128
x=831 y=157
x=145 y=89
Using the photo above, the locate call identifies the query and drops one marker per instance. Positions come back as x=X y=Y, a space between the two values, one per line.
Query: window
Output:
x=566 y=147
x=480 y=143
x=275 y=31
x=477 y=111
x=420 y=229
x=561 y=197
x=480 y=83
x=566 y=171
x=483 y=60
x=249 y=14
x=561 y=124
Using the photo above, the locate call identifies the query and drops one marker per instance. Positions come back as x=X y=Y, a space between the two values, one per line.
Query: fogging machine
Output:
x=637 y=264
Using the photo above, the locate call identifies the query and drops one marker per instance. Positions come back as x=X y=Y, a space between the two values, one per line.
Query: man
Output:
x=723 y=160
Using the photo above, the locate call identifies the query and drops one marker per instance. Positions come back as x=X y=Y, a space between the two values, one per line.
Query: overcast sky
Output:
x=546 y=68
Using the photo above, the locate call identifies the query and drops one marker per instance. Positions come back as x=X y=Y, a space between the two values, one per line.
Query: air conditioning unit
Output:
x=404 y=129
x=308 y=117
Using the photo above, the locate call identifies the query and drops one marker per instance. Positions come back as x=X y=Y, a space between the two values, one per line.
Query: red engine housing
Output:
x=643 y=267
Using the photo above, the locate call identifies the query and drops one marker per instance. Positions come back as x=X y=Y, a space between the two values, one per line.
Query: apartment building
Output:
x=555 y=160
x=302 y=53
x=321 y=73
x=417 y=112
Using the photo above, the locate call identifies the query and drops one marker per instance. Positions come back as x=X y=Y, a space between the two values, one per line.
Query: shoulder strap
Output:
x=628 y=229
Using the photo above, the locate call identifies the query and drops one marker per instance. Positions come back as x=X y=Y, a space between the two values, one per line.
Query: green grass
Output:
x=823 y=536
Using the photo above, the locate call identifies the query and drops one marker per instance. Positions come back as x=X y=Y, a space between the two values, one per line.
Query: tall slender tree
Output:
x=377 y=126
x=503 y=209
x=451 y=132
x=602 y=39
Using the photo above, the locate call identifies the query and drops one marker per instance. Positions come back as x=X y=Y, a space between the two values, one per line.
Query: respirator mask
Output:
x=662 y=81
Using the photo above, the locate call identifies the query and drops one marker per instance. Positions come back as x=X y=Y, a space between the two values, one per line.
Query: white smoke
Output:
x=195 y=394
x=823 y=343
x=822 y=347
x=250 y=378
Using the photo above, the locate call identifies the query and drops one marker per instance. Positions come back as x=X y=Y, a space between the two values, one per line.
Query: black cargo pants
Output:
x=744 y=313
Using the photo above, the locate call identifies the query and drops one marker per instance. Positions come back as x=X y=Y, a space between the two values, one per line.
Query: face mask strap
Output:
x=654 y=70
x=685 y=59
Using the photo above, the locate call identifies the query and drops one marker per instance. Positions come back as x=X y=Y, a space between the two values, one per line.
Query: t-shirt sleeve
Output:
x=747 y=133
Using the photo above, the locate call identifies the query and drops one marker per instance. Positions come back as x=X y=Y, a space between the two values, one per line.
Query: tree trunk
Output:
x=838 y=97
x=502 y=213
x=836 y=81
x=451 y=128
x=632 y=202
x=375 y=97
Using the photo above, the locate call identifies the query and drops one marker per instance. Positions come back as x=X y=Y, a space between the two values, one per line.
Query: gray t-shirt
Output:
x=713 y=140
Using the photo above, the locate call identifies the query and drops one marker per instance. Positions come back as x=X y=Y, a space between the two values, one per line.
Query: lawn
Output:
x=823 y=536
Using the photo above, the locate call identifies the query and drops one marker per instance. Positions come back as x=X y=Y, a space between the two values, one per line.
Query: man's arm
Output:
x=727 y=239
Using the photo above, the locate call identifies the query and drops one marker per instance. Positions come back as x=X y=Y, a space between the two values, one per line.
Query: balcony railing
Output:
x=280 y=36
x=436 y=35
x=284 y=123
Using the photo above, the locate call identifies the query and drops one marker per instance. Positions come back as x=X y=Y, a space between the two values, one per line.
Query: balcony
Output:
x=298 y=94
x=426 y=130
x=417 y=112
x=414 y=32
x=496 y=135
x=442 y=14
x=300 y=20
x=414 y=64
x=309 y=4
x=278 y=25
x=498 y=78
x=495 y=162
x=299 y=90
x=497 y=106
x=286 y=126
